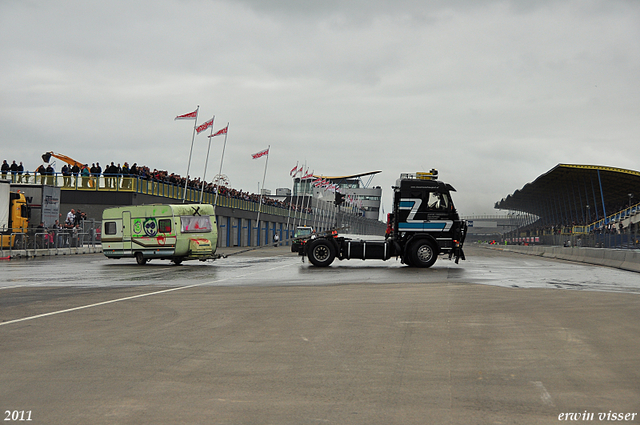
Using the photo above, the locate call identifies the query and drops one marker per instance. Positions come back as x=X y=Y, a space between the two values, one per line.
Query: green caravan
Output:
x=166 y=232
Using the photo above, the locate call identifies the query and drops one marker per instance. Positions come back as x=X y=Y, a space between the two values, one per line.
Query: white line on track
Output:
x=545 y=397
x=164 y=291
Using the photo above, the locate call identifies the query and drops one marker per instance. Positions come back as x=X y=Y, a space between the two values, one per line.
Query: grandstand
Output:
x=584 y=205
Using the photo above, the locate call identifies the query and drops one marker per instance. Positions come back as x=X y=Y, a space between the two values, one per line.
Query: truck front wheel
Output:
x=423 y=253
x=321 y=253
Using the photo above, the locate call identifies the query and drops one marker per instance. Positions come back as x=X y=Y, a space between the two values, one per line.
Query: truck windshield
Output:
x=302 y=232
x=195 y=224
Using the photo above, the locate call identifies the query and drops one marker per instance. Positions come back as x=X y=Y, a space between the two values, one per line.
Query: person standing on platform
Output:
x=4 y=169
x=66 y=176
x=76 y=171
x=126 y=181
x=14 y=171
x=86 y=176
x=20 y=171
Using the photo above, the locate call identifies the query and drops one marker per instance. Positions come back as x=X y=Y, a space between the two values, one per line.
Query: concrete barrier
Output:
x=50 y=252
x=595 y=256
x=613 y=258
x=631 y=261
x=618 y=258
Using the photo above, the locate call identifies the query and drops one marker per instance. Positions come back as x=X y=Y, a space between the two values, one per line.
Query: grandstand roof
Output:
x=352 y=176
x=567 y=189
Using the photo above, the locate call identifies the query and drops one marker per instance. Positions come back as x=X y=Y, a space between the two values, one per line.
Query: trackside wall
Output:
x=624 y=259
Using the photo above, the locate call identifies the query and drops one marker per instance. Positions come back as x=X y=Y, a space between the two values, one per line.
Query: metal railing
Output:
x=604 y=226
x=613 y=218
x=139 y=185
x=51 y=240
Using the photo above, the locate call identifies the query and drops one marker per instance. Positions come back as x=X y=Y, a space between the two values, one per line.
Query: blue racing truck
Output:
x=423 y=225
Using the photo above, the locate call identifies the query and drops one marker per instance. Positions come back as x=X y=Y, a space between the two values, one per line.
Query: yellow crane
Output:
x=47 y=156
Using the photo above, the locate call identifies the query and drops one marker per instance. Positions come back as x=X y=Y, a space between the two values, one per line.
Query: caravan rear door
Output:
x=126 y=231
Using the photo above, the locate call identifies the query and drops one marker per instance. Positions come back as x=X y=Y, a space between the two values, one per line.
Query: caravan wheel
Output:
x=140 y=259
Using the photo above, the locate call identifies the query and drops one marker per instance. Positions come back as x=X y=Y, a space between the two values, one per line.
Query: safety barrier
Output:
x=618 y=258
x=44 y=242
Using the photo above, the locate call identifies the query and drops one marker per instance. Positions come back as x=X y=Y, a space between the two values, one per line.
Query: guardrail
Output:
x=613 y=218
x=593 y=240
x=49 y=241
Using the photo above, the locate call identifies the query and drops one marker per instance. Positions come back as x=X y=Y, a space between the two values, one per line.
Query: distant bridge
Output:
x=491 y=226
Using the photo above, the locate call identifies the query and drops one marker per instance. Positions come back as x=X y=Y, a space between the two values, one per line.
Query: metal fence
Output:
x=595 y=240
x=52 y=240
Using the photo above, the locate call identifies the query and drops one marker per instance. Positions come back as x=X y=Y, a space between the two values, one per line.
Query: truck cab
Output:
x=424 y=214
x=14 y=217
x=300 y=236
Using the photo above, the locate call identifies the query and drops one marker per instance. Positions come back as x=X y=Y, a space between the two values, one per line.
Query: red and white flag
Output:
x=294 y=171
x=308 y=176
x=219 y=132
x=260 y=154
x=190 y=116
x=203 y=127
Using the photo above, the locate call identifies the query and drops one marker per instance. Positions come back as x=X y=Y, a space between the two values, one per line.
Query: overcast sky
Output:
x=491 y=93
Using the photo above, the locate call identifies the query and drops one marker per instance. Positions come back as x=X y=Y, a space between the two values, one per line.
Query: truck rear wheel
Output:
x=321 y=253
x=423 y=253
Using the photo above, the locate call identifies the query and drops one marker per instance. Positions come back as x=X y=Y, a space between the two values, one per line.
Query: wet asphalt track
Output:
x=269 y=266
x=263 y=338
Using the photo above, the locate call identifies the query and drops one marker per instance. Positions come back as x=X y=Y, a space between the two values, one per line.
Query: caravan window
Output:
x=195 y=223
x=164 y=225
x=110 y=228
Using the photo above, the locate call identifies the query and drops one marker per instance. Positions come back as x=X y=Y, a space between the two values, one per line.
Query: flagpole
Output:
x=193 y=137
x=291 y=201
x=264 y=176
x=309 y=199
x=304 y=198
x=299 y=204
x=206 y=161
x=224 y=146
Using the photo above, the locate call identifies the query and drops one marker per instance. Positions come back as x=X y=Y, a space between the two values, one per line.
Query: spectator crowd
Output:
x=115 y=174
